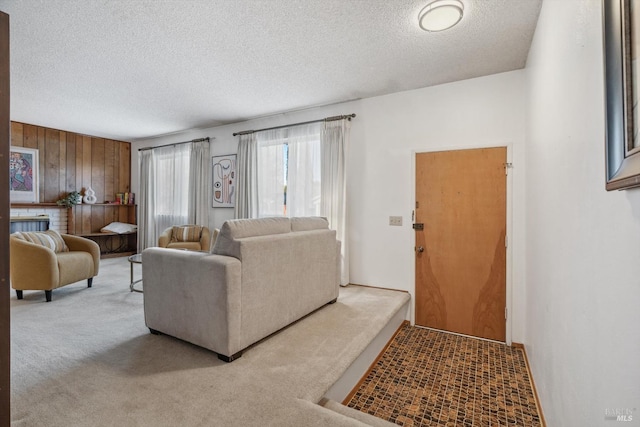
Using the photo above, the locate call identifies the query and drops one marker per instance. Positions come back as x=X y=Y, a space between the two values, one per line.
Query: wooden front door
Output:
x=461 y=249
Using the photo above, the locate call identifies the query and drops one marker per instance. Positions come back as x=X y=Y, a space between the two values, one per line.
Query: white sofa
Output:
x=262 y=275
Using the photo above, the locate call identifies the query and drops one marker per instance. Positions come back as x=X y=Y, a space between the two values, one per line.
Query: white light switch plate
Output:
x=395 y=220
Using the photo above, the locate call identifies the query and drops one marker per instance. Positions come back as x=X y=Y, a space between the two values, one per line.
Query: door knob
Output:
x=420 y=249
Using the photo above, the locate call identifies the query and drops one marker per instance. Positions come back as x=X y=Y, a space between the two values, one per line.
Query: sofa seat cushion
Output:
x=49 y=239
x=186 y=233
x=74 y=266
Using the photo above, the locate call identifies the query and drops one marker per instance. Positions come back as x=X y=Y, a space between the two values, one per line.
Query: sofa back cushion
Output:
x=306 y=223
x=186 y=233
x=50 y=239
x=234 y=229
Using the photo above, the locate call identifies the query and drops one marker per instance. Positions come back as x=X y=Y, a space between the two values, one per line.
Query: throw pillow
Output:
x=186 y=233
x=50 y=239
x=119 y=227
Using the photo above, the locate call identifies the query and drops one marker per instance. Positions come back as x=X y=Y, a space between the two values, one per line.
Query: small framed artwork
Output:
x=223 y=175
x=622 y=84
x=23 y=175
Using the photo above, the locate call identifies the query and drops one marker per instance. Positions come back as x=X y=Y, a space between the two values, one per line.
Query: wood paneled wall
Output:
x=70 y=161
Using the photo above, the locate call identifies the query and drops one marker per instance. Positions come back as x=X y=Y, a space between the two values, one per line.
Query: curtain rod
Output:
x=326 y=119
x=176 y=143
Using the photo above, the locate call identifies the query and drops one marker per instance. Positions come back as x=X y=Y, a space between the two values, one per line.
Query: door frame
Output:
x=509 y=225
x=5 y=142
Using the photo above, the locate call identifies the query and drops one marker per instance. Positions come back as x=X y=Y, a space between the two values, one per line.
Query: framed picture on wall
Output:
x=23 y=175
x=223 y=175
x=622 y=84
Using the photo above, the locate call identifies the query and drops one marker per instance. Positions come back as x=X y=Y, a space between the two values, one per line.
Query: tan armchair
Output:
x=192 y=237
x=41 y=261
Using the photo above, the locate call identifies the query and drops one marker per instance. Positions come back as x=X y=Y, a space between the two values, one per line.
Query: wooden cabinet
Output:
x=86 y=220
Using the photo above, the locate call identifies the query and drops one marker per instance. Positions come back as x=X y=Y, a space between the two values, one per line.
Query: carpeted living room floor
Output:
x=431 y=378
x=87 y=359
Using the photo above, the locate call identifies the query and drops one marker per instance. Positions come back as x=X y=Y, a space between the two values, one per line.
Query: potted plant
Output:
x=70 y=200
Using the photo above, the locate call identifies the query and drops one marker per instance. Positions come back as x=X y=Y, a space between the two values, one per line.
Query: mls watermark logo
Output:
x=619 y=414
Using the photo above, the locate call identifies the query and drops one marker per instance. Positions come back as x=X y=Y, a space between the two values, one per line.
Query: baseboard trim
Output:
x=373 y=364
x=531 y=381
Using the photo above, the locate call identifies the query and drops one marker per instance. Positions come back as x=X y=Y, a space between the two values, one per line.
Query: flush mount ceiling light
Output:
x=440 y=15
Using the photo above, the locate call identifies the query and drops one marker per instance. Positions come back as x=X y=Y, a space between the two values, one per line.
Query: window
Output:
x=289 y=172
x=297 y=171
x=171 y=186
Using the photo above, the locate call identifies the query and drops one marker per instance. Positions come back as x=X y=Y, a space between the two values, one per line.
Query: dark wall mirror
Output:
x=622 y=88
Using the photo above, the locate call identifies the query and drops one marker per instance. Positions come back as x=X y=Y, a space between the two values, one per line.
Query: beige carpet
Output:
x=87 y=359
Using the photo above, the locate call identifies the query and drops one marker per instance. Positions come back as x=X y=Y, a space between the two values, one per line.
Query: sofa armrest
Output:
x=32 y=266
x=77 y=243
x=165 y=237
x=194 y=296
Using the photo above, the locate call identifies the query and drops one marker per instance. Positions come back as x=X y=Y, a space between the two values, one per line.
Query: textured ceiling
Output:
x=132 y=69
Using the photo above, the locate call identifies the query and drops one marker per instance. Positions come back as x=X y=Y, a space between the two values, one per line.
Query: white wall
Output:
x=481 y=112
x=583 y=243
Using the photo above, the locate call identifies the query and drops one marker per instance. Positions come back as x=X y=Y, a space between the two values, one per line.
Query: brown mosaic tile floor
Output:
x=431 y=378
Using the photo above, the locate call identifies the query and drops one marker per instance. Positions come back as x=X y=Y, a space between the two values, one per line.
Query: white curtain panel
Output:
x=247 y=180
x=146 y=200
x=335 y=139
x=164 y=186
x=172 y=165
x=271 y=172
x=316 y=174
x=199 y=180
x=304 y=170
